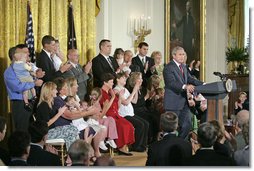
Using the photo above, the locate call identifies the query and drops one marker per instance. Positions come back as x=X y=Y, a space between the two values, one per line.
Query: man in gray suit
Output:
x=77 y=71
x=178 y=82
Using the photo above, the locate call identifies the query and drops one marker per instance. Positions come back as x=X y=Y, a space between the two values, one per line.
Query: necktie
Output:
x=143 y=61
x=52 y=61
x=181 y=69
x=77 y=68
x=110 y=63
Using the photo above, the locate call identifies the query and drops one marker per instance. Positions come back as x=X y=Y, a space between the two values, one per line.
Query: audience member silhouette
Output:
x=38 y=156
x=206 y=155
x=171 y=150
x=79 y=153
x=104 y=161
x=19 y=148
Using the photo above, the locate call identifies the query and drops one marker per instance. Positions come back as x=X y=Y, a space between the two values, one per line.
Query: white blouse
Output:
x=125 y=110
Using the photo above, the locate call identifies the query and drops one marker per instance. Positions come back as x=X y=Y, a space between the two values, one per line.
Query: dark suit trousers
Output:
x=184 y=121
x=21 y=116
x=141 y=131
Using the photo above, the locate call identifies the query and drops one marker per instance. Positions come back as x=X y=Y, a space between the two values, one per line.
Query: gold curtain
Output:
x=49 y=17
x=97 y=7
x=236 y=23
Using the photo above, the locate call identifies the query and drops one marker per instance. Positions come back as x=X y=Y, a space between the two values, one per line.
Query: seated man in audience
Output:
x=38 y=156
x=242 y=157
x=104 y=161
x=79 y=153
x=206 y=155
x=19 y=148
x=237 y=141
x=171 y=150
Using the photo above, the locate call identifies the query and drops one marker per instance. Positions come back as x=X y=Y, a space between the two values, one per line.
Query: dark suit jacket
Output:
x=81 y=77
x=175 y=96
x=4 y=156
x=101 y=66
x=43 y=62
x=40 y=157
x=170 y=151
x=207 y=157
x=138 y=62
x=18 y=163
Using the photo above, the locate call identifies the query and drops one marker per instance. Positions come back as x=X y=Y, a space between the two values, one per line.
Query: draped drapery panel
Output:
x=49 y=17
x=236 y=23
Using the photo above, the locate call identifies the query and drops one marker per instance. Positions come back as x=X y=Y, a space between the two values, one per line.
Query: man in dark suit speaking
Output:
x=178 y=82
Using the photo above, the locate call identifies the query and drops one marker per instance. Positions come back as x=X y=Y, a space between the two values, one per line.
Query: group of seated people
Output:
x=123 y=110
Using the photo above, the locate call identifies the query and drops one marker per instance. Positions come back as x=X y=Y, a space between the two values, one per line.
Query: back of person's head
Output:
x=106 y=77
x=11 y=53
x=104 y=160
x=102 y=42
x=2 y=123
x=242 y=117
x=219 y=128
x=79 y=152
x=18 y=143
x=141 y=44
x=47 y=40
x=168 y=122
x=38 y=130
x=206 y=134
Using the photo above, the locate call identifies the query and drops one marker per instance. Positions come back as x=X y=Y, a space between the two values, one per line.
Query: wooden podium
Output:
x=214 y=93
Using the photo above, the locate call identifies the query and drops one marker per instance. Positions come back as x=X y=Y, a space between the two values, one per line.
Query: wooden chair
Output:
x=60 y=146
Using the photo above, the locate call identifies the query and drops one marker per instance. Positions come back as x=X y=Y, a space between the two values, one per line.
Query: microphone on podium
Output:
x=222 y=76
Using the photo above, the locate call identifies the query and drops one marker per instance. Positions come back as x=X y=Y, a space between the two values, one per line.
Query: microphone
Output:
x=222 y=76
x=217 y=74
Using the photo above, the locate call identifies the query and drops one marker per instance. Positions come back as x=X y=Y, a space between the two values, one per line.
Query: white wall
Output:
x=216 y=38
x=114 y=15
x=117 y=14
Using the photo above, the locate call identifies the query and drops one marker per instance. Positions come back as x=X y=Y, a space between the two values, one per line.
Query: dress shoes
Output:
x=111 y=143
x=103 y=146
x=124 y=153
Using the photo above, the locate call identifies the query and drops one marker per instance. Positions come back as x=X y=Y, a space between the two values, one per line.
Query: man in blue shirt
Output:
x=15 y=88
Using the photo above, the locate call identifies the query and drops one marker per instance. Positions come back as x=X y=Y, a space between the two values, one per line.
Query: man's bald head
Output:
x=242 y=117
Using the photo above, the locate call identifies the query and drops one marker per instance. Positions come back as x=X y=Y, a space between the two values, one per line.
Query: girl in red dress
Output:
x=111 y=102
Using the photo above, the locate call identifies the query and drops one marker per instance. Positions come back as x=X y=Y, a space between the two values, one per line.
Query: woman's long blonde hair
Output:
x=46 y=93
